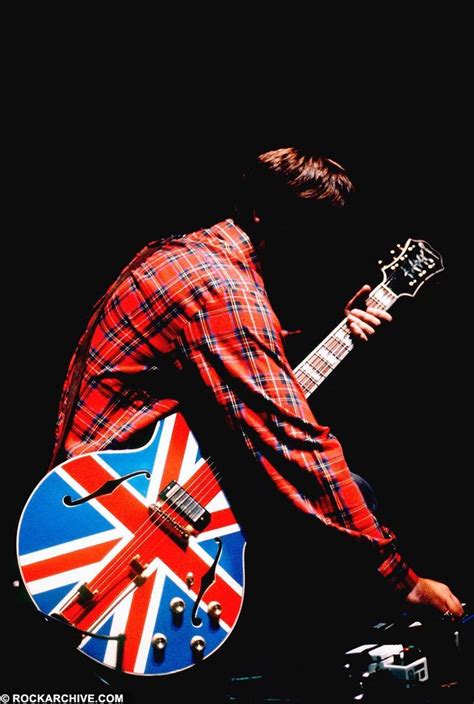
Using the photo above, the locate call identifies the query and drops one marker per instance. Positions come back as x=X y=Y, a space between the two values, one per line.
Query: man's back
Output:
x=126 y=381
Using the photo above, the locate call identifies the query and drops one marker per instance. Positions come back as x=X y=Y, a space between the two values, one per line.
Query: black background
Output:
x=101 y=166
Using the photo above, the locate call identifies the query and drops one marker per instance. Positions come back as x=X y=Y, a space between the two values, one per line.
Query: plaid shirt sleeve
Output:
x=235 y=345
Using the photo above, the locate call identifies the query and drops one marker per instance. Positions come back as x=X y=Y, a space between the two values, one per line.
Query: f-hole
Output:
x=206 y=582
x=106 y=488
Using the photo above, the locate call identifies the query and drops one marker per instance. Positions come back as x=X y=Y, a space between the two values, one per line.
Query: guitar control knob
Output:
x=214 y=609
x=197 y=645
x=159 y=642
x=177 y=605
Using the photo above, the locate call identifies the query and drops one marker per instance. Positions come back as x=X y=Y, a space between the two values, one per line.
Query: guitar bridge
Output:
x=170 y=524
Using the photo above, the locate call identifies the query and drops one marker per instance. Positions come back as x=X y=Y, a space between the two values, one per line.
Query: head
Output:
x=289 y=188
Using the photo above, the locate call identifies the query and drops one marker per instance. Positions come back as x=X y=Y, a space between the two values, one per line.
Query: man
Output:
x=192 y=320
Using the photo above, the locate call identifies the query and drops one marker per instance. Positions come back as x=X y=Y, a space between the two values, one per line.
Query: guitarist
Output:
x=191 y=319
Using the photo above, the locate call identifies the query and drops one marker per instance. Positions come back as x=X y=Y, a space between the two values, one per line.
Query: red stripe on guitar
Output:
x=85 y=616
x=68 y=561
x=221 y=519
x=136 y=622
x=115 y=577
x=177 y=448
x=121 y=503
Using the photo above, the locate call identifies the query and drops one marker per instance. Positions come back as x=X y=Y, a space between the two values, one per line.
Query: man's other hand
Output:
x=363 y=323
x=427 y=592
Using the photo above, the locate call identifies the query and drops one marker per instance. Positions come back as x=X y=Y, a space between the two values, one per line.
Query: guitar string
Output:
x=194 y=486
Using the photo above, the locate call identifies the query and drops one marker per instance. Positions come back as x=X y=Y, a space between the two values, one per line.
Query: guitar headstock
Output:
x=414 y=264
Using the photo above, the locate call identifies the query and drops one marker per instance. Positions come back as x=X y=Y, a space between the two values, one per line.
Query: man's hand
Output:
x=427 y=592
x=362 y=323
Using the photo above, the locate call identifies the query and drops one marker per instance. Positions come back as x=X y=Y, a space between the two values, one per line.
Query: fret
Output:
x=343 y=336
x=315 y=375
x=320 y=365
x=326 y=355
x=335 y=347
x=382 y=297
x=307 y=390
x=307 y=384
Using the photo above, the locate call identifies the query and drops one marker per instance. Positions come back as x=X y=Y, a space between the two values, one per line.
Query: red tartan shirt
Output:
x=200 y=302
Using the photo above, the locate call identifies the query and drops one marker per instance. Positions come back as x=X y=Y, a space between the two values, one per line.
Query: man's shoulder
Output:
x=221 y=253
x=187 y=274
x=222 y=238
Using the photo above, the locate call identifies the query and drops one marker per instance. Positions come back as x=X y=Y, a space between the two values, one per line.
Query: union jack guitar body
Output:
x=158 y=558
x=139 y=550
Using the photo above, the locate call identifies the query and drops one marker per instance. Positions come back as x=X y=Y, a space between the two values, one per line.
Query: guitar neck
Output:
x=314 y=368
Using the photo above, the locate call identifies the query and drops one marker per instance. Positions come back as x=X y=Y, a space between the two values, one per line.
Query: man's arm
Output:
x=235 y=346
x=363 y=323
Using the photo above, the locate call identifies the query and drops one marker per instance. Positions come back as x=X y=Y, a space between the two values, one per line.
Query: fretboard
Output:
x=314 y=368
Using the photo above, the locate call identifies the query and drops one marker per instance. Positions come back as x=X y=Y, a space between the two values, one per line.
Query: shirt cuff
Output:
x=398 y=574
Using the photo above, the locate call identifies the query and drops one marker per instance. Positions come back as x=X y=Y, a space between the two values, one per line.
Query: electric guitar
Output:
x=139 y=550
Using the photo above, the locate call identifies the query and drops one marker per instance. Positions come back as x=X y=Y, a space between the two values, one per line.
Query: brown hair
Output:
x=306 y=175
x=279 y=178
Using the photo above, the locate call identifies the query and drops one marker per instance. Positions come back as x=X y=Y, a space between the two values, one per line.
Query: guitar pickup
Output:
x=185 y=505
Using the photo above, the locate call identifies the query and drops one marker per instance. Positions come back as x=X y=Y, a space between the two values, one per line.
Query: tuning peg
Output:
x=392 y=251
x=380 y=262
x=399 y=245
